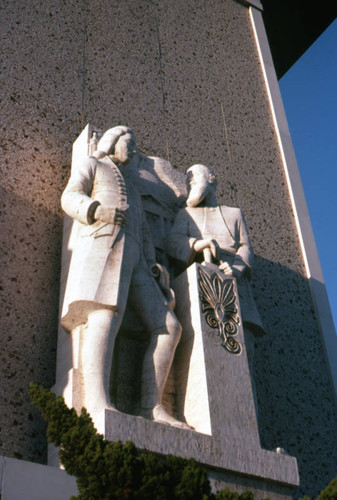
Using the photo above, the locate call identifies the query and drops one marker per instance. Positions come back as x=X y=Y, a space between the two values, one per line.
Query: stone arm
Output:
x=75 y=200
x=180 y=245
x=77 y=203
x=244 y=256
x=183 y=247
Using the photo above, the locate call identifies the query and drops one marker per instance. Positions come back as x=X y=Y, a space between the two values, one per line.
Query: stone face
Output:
x=189 y=82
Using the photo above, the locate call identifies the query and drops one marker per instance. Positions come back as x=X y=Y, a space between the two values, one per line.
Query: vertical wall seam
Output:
x=161 y=71
x=162 y=81
x=225 y=126
x=84 y=59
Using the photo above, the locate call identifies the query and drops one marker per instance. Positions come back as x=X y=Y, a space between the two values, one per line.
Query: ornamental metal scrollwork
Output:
x=217 y=298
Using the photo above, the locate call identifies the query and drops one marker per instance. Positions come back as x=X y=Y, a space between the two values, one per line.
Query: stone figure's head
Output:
x=119 y=142
x=201 y=183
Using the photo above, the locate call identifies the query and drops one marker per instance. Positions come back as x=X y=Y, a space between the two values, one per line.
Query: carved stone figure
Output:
x=218 y=234
x=116 y=264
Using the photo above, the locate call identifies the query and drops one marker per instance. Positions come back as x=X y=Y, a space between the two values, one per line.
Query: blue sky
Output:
x=309 y=92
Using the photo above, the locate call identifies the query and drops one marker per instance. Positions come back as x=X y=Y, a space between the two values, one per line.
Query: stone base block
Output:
x=229 y=466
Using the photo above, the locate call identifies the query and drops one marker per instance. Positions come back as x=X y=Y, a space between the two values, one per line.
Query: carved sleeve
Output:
x=76 y=201
x=180 y=243
x=244 y=257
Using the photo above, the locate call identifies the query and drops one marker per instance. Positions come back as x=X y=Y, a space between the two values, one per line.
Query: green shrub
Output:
x=330 y=492
x=107 y=470
x=115 y=471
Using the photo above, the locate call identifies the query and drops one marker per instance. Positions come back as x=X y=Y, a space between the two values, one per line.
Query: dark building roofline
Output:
x=293 y=25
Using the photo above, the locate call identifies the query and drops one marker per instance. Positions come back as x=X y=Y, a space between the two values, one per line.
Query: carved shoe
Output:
x=161 y=416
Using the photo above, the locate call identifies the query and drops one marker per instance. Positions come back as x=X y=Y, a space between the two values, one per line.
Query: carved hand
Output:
x=227 y=269
x=200 y=245
x=111 y=215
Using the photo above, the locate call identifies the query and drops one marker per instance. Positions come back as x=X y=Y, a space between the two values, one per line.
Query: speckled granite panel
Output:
x=29 y=292
x=260 y=465
x=187 y=78
x=123 y=70
x=41 y=93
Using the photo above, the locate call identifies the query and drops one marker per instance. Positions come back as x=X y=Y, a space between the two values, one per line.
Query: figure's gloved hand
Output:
x=200 y=245
x=111 y=215
x=226 y=268
x=229 y=270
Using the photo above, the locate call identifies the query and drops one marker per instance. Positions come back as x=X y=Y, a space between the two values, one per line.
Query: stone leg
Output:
x=156 y=367
x=97 y=351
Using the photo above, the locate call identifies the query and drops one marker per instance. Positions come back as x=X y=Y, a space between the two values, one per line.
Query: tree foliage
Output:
x=108 y=470
x=114 y=471
x=329 y=493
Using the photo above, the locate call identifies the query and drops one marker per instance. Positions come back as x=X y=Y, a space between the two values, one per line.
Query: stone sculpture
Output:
x=214 y=390
x=217 y=234
x=116 y=264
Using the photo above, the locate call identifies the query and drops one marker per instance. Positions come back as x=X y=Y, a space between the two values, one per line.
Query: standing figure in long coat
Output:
x=115 y=264
x=205 y=226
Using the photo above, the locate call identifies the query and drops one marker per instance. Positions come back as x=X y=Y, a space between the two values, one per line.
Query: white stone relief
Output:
x=216 y=234
x=115 y=263
x=122 y=201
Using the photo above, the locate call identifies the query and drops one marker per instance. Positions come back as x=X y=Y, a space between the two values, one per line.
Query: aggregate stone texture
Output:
x=187 y=78
x=260 y=466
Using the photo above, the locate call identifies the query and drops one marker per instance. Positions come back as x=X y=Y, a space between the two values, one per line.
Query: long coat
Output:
x=227 y=226
x=101 y=250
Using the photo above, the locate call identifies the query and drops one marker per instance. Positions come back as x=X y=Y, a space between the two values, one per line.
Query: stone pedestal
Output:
x=213 y=380
x=214 y=393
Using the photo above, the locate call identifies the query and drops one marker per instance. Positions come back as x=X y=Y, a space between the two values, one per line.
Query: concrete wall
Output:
x=26 y=480
x=186 y=76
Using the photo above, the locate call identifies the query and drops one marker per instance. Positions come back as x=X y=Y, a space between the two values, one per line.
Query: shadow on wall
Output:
x=295 y=395
x=30 y=270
